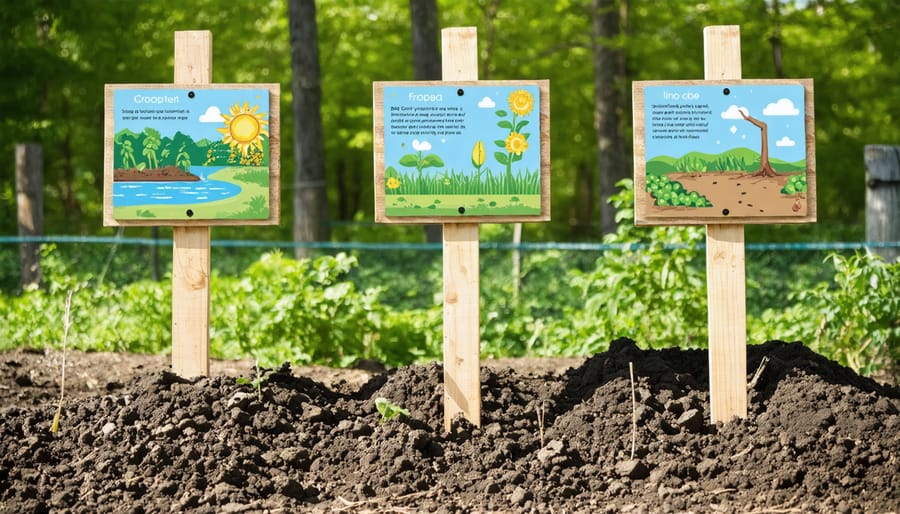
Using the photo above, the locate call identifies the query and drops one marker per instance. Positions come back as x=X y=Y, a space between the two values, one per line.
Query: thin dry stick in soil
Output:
x=633 y=411
x=758 y=373
x=62 y=383
x=540 y=417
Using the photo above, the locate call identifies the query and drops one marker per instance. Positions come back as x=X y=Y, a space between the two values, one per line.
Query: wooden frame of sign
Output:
x=462 y=151
x=156 y=135
x=724 y=152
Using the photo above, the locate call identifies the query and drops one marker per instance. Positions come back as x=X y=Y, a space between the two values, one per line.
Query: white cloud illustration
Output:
x=487 y=103
x=785 y=141
x=212 y=115
x=783 y=107
x=421 y=146
x=734 y=112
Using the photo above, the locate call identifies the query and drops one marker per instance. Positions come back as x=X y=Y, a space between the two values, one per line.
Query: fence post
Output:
x=30 y=205
x=883 y=198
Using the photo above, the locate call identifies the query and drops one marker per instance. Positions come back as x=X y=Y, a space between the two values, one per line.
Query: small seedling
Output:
x=67 y=322
x=260 y=376
x=389 y=410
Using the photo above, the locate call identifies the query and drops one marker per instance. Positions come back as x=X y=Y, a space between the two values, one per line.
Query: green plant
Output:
x=420 y=160
x=388 y=410
x=795 y=184
x=672 y=193
x=259 y=377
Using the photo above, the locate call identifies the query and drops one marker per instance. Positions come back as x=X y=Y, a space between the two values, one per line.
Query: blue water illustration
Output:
x=128 y=194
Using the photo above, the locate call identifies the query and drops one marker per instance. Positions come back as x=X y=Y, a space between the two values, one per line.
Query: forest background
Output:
x=59 y=54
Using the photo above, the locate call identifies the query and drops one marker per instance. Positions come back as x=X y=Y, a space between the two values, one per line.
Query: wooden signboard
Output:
x=191 y=154
x=462 y=151
x=724 y=152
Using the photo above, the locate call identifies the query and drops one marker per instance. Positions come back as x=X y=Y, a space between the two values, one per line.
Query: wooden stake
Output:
x=190 y=250
x=462 y=383
x=725 y=268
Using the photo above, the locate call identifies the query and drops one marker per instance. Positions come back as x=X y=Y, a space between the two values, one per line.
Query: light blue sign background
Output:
x=202 y=112
x=781 y=107
x=480 y=104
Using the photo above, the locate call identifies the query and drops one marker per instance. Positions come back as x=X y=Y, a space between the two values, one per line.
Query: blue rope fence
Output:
x=350 y=245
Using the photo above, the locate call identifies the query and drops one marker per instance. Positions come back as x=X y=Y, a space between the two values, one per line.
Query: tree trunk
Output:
x=775 y=40
x=30 y=201
x=765 y=167
x=310 y=198
x=610 y=145
x=584 y=200
x=426 y=62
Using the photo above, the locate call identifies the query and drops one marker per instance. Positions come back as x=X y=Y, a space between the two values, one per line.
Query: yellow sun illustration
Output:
x=244 y=128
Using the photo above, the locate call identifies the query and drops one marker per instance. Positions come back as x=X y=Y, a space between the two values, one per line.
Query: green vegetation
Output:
x=738 y=159
x=452 y=182
x=385 y=305
x=178 y=150
x=57 y=60
x=668 y=192
x=389 y=410
x=259 y=377
x=795 y=184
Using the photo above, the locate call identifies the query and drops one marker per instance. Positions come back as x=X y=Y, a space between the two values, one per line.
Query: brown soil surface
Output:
x=135 y=438
x=741 y=193
x=166 y=174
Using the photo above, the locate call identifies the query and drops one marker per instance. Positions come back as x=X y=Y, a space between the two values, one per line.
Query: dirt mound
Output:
x=818 y=438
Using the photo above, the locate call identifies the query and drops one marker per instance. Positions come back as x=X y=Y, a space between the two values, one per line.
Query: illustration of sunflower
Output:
x=521 y=102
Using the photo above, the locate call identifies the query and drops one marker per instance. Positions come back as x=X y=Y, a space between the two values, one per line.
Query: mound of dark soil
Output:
x=818 y=438
x=164 y=174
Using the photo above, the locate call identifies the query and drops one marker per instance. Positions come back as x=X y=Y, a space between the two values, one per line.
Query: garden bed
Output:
x=135 y=438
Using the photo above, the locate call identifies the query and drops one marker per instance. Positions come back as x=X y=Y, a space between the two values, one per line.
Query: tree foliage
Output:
x=59 y=54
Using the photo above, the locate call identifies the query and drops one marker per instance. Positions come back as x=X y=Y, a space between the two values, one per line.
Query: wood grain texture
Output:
x=190 y=244
x=378 y=138
x=462 y=357
x=190 y=301
x=642 y=199
x=462 y=383
x=725 y=266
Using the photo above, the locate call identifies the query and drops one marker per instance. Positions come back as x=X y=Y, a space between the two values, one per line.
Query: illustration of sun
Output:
x=244 y=128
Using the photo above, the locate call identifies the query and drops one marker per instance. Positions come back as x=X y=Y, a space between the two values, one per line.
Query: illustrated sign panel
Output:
x=191 y=155
x=461 y=150
x=724 y=152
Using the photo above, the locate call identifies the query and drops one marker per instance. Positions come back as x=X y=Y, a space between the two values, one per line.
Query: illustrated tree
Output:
x=127 y=153
x=183 y=160
x=765 y=168
x=151 y=144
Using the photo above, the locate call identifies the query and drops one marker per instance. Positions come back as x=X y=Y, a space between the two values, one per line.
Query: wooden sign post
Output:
x=462 y=323
x=724 y=152
x=433 y=165
x=191 y=155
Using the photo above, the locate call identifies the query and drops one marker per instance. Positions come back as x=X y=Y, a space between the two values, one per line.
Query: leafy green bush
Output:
x=672 y=193
x=854 y=320
x=304 y=311
x=653 y=295
x=795 y=184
